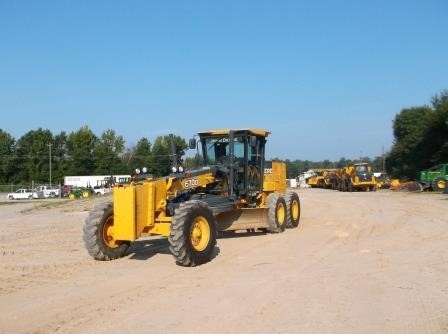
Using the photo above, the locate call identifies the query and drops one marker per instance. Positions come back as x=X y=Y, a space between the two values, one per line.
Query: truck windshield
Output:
x=218 y=148
x=361 y=168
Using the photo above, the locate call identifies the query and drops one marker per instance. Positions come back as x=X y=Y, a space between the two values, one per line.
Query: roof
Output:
x=254 y=132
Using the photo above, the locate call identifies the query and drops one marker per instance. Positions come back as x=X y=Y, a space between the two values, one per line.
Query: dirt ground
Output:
x=358 y=263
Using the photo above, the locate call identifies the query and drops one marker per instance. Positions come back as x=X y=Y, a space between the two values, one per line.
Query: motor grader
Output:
x=233 y=189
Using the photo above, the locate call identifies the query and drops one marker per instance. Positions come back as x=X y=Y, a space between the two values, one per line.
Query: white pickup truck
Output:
x=21 y=194
x=46 y=192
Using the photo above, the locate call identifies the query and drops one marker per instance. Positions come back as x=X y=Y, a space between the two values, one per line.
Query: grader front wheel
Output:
x=193 y=234
x=99 y=234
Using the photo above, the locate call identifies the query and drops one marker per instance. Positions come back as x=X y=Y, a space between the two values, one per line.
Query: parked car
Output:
x=21 y=194
x=46 y=192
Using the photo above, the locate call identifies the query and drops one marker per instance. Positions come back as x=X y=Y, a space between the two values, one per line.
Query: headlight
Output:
x=181 y=169
x=137 y=171
x=174 y=169
x=144 y=170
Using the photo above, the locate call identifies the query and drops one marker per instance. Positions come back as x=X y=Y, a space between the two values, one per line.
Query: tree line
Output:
x=420 y=138
x=39 y=156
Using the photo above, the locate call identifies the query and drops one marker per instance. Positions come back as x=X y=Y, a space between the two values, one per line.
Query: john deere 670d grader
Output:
x=235 y=189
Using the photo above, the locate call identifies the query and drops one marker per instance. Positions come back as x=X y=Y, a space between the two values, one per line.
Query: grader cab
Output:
x=234 y=189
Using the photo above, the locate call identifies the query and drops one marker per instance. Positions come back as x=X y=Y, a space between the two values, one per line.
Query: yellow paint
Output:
x=124 y=213
x=275 y=181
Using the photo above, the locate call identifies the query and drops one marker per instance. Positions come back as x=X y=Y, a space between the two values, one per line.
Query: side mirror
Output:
x=192 y=144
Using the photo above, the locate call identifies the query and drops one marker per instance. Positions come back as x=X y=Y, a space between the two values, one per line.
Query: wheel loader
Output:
x=234 y=189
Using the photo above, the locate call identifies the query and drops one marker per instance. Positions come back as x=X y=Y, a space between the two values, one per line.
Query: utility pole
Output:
x=49 y=159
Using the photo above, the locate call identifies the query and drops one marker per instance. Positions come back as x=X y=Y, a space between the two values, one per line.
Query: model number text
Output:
x=191 y=183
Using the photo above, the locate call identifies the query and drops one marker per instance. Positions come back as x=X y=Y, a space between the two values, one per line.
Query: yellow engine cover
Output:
x=274 y=179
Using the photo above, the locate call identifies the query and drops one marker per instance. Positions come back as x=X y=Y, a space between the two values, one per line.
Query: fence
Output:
x=10 y=188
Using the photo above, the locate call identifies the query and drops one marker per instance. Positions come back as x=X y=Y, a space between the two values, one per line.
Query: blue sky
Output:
x=326 y=78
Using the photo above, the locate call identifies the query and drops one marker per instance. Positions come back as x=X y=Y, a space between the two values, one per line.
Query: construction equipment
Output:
x=383 y=180
x=80 y=192
x=354 y=177
x=434 y=178
x=235 y=189
x=322 y=178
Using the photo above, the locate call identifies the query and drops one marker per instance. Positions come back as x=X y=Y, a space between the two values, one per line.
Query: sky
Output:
x=326 y=78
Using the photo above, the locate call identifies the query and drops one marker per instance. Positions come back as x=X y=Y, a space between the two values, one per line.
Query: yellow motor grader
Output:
x=234 y=189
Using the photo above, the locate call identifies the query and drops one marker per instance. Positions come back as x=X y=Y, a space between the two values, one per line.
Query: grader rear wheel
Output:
x=193 y=234
x=292 y=209
x=99 y=234
x=276 y=213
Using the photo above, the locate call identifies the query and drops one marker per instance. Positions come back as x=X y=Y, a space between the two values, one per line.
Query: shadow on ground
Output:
x=146 y=248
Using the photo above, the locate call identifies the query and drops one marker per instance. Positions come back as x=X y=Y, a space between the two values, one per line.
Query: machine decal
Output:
x=191 y=183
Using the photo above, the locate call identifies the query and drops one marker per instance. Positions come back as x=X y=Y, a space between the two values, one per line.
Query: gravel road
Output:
x=358 y=263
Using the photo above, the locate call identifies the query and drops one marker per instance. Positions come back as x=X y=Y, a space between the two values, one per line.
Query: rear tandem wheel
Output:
x=292 y=209
x=276 y=213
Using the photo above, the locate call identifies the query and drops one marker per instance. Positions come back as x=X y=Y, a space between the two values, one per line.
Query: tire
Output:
x=11 y=198
x=98 y=238
x=349 y=186
x=438 y=184
x=292 y=209
x=276 y=213
x=193 y=234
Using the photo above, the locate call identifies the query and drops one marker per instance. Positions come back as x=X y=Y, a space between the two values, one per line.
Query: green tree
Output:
x=141 y=155
x=436 y=140
x=161 y=154
x=407 y=156
x=33 y=157
x=292 y=169
x=377 y=164
x=106 y=153
x=59 y=158
x=80 y=145
x=327 y=164
x=7 y=157
x=420 y=138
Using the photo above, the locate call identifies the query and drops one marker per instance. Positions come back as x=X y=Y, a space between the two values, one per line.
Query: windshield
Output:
x=217 y=148
x=361 y=168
